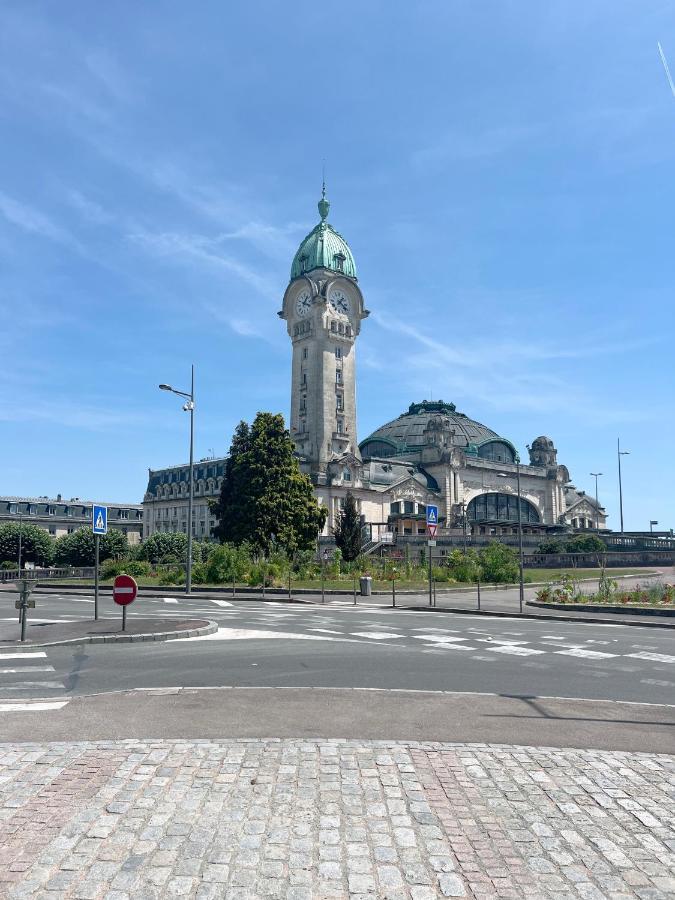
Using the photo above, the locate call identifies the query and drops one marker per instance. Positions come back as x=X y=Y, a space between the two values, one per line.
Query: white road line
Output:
x=25 y=685
x=438 y=638
x=515 y=651
x=27 y=669
x=584 y=654
x=219 y=602
x=32 y=655
x=33 y=707
x=170 y=600
x=375 y=635
x=653 y=657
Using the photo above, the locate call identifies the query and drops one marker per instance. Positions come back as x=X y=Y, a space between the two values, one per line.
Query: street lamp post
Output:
x=619 y=454
x=188 y=407
x=521 y=584
x=596 y=475
x=20 y=536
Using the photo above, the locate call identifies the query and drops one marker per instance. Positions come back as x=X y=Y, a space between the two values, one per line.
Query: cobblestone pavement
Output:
x=321 y=819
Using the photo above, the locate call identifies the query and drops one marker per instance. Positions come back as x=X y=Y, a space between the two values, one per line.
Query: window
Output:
x=341 y=328
x=123 y=514
x=339 y=261
x=333 y=326
x=338 y=401
x=338 y=377
x=303 y=262
x=51 y=510
x=340 y=426
x=52 y=529
x=338 y=353
x=408 y=507
x=347 y=475
x=500 y=508
x=12 y=507
x=304 y=377
x=304 y=352
x=349 y=330
x=395 y=509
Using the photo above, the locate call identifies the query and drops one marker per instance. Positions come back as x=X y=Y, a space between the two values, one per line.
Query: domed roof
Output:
x=406 y=435
x=323 y=248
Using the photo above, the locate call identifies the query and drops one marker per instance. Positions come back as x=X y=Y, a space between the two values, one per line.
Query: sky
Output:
x=503 y=173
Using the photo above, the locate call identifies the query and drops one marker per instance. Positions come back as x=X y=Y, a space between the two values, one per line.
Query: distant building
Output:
x=165 y=503
x=59 y=516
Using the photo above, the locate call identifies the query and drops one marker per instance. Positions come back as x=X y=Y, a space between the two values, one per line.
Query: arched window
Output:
x=499 y=451
x=500 y=508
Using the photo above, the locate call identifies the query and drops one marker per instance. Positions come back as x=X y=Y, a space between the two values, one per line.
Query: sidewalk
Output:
x=101 y=631
x=310 y=819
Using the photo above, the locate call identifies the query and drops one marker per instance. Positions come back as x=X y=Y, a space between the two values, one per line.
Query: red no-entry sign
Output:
x=124 y=590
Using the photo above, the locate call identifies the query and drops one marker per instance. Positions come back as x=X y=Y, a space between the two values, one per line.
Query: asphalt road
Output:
x=296 y=669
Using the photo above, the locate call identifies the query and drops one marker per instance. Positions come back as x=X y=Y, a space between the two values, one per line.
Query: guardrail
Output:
x=46 y=574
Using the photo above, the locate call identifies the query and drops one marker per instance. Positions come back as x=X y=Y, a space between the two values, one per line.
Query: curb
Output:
x=647 y=611
x=209 y=628
x=534 y=616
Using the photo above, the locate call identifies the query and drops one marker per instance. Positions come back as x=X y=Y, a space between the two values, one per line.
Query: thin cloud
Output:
x=34 y=221
x=455 y=146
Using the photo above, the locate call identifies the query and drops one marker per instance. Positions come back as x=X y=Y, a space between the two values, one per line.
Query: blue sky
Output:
x=503 y=173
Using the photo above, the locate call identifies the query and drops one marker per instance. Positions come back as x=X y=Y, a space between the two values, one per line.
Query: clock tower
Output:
x=323 y=308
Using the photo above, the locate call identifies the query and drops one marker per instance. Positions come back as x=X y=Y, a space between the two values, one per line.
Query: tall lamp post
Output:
x=521 y=584
x=596 y=475
x=619 y=454
x=189 y=406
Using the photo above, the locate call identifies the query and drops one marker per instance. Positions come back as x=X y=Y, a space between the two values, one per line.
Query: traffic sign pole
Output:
x=96 y=556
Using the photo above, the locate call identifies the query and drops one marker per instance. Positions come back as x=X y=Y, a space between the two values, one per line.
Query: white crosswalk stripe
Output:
x=18 y=683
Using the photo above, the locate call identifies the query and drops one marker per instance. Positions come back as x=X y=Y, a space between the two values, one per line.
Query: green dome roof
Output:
x=323 y=248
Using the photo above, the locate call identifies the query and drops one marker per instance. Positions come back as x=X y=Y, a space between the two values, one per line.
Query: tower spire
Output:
x=324 y=205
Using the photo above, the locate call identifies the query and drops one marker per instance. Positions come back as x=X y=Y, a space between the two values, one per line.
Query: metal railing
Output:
x=46 y=574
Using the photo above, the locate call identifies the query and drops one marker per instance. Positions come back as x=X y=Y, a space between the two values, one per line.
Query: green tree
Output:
x=165 y=546
x=348 y=530
x=36 y=544
x=465 y=566
x=499 y=563
x=79 y=548
x=552 y=545
x=265 y=500
x=585 y=543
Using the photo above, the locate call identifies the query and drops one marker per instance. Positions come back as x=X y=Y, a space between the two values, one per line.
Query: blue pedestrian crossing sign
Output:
x=432 y=515
x=99 y=520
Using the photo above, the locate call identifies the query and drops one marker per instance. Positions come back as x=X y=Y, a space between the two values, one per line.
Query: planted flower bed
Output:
x=568 y=591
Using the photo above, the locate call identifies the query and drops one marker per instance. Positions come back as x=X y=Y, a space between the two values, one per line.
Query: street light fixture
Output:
x=619 y=454
x=521 y=584
x=188 y=407
x=652 y=523
x=596 y=475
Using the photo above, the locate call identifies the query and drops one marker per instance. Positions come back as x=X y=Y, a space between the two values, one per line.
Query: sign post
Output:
x=124 y=593
x=432 y=525
x=24 y=604
x=99 y=525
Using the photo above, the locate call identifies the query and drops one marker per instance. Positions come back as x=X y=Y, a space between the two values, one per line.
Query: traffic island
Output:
x=103 y=631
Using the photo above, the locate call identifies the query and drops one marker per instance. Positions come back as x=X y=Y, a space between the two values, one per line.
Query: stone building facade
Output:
x=432 y=453
x=58 y=516
x=165 y=503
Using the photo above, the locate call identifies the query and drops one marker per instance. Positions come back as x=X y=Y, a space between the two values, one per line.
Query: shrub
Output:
x=172 y=575
x=111 y=568
x=136 y=568
x=8 y=564
x=164 y=547
x=199 y=573
x=499 y=563
x=227 y=563
x=464 y=566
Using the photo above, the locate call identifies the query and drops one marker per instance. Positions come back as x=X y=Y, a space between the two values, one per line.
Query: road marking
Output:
x=75 y=600
x=515 y=651
x=27 y=669
x=32 y=655
x=326 y=631
x=217 y=602
x=653 y=657
x=253 y=634
x=170 y=600
x=438 y=638
x=584 y=654
x=35 y=706
x=375 y=635
x=24 y=685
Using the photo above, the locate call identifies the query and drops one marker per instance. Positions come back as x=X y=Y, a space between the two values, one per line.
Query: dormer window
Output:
x=304 y=262
x=339 y=262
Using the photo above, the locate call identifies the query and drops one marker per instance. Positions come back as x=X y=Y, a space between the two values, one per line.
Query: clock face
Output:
x=303 y=303
x=339 y=301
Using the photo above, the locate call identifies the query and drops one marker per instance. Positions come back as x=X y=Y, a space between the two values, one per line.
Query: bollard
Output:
x=354 y=590
x=393 y=592
x=434 y=592
x=478 y=586
x=233 y=586
x=323 y=582
x=289 y=584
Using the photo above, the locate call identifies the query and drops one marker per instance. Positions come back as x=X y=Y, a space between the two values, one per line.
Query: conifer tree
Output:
x=348 y=530
x=265 y=500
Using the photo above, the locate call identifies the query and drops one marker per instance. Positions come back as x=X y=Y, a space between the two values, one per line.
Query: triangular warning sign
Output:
x=99 y=521
x=431 y=516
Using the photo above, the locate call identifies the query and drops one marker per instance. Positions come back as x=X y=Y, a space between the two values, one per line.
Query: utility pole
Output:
x=619 y=454
x=596 y=475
